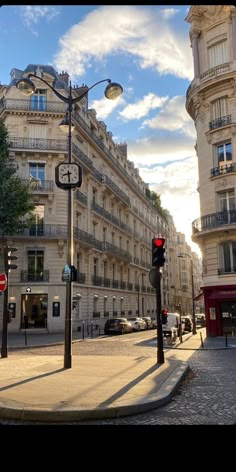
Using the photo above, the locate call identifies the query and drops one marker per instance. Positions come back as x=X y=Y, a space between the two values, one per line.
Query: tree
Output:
x=156 y=201
x=16 y=205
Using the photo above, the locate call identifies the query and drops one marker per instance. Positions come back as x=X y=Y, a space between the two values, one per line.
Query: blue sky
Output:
x=146 y=49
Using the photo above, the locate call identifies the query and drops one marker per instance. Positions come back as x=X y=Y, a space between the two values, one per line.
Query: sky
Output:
x=144 y=48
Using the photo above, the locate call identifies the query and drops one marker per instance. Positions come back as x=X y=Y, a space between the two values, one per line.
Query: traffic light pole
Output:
x=160 y=352
x=5 y=308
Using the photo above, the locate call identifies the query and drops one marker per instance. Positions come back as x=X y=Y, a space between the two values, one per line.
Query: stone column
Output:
x=233 y=15
x=194 y=40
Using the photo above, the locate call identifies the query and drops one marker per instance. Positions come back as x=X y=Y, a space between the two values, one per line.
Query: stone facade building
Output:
x=211 y=102
x=114 y=220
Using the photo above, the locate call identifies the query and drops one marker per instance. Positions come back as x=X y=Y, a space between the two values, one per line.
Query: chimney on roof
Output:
x=65 y=77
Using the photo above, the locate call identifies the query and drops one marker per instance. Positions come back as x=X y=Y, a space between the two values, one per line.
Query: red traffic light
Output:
x=159 y=242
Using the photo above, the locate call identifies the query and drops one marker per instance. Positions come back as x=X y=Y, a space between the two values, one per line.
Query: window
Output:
x=36 y=228
x=95 y=267
x=226 y=200
x=94 y=229
x=35 y=265
x=224 y=154
x=105 y=269
x=37 y=171
x=217 y=54
x=228 y=256
x=104 y=234
x=94 y=195
x=219 y=108
x=38 y=100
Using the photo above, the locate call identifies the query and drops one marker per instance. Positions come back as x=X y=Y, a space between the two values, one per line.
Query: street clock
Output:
x=68 y=175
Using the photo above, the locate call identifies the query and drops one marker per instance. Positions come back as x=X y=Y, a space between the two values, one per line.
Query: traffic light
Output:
x=158 y=251
x=73 y=273
x=164 y=316
x=9 y=257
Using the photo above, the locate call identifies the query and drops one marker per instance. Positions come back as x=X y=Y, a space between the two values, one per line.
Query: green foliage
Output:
x=16 y=204
x=156 y=201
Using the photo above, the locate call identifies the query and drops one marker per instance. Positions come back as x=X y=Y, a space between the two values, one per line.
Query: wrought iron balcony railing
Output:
x=42 y=276
x=219 y=122
x=39 y=144
x=29 y=105
x=214 y=220
x=39 y=186
x=226 y=169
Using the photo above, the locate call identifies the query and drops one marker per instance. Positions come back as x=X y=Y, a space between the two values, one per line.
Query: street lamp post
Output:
x=140 y=275
x=192 y=280
x=112 y=91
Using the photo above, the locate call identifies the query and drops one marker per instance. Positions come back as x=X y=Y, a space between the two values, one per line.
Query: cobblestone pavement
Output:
x=207 y=395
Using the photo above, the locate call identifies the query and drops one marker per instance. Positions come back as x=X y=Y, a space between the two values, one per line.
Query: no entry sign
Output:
x=3 y=282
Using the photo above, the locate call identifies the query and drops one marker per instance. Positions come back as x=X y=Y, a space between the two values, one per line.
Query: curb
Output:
x=155 y=400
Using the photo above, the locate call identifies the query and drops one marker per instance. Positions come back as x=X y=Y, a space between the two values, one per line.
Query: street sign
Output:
x=154 y=277
x=3 y=282
x=66 y=274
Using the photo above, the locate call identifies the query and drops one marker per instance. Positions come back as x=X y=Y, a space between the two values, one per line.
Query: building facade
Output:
x=114 y=219
x=211 y=102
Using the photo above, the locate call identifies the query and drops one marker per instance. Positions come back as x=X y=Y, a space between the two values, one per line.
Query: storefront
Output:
x=34 y=311
x=220 y=309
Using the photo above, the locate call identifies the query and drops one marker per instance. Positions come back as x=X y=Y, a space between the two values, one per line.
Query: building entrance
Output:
x=34 y=311
x=228 y=316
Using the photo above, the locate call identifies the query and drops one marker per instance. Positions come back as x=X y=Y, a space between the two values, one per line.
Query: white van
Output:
x=172 y=327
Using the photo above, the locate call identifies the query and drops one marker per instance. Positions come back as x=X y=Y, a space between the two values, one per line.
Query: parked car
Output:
x=187 y=322
x=200 y=320
x=154 y=322
x=148 y=322
x=172 y=327
x=137 y=323
x=117 y=326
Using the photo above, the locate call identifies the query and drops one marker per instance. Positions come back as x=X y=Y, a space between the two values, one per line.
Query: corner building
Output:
x=114 y=220
x=211 y=103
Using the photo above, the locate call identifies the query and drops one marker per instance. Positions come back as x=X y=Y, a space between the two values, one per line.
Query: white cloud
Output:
x=168 y=12
x=105 y=107
x=176 y=183
x=160 y=149
x=33 y=14
x=137 y=31
x=142 y=107
x=173 y=117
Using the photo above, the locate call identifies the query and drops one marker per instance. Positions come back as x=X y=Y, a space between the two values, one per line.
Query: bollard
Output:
x=83 y=330
x=25 y=338
x=226 y=340
x=201 y=341
x=91 y=329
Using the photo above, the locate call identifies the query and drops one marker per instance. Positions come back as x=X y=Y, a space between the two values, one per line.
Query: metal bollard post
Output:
x=82 y=329
x=226 y=340
x=25 y=338
x=201 y=340
x=91 y=329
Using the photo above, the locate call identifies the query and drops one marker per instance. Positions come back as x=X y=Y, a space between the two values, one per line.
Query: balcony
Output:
x=57 y=145
x=214 y=220
x=221 y=170
x=42 y=276
x=219 y=122
x=216 y=71
x=14 y=104
x=81 y=278
x=39 y=186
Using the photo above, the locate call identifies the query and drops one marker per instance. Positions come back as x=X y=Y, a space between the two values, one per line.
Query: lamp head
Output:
x=26 y=86
x=113 y=90
x=64 y=124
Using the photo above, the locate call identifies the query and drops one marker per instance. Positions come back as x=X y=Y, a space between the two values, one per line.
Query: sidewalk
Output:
x=38 y=388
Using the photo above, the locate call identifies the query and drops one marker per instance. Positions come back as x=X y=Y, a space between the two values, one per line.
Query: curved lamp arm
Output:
x=67 y=99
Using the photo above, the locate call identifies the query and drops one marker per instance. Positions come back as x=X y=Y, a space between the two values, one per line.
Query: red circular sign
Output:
x=3 y=282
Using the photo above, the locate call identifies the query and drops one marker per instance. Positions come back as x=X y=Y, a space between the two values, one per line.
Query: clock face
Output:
x=68 y=175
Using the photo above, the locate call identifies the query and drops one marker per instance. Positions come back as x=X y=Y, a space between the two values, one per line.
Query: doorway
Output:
x=228 y=316
x=34 y=311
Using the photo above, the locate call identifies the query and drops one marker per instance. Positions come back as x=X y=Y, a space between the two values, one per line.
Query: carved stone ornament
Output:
x=213 y=11
x=223 y=183
x=60 y=244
